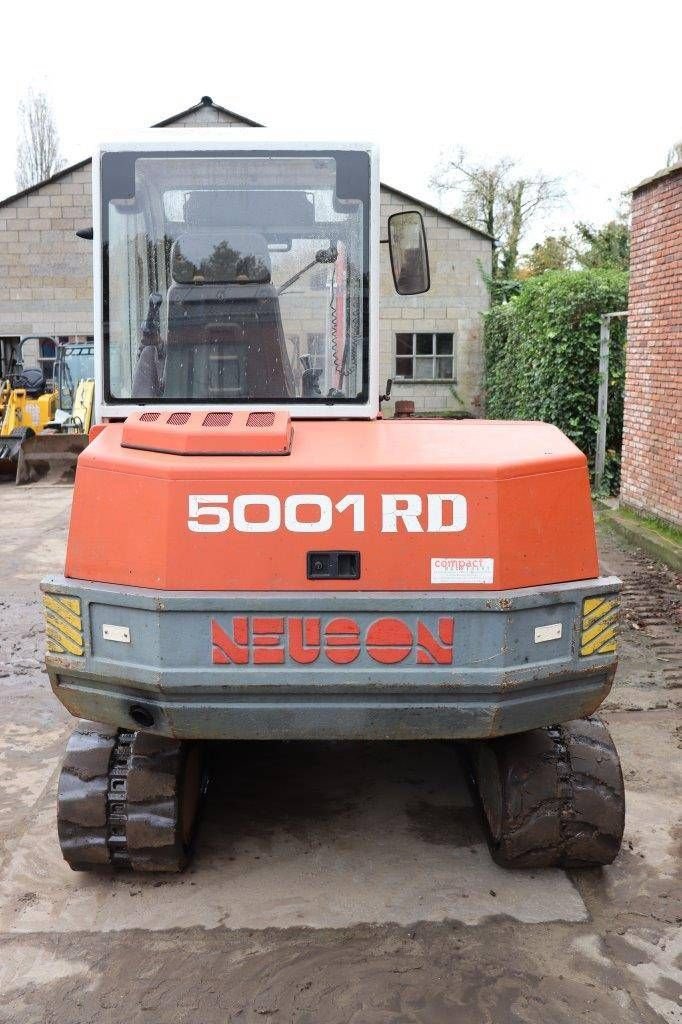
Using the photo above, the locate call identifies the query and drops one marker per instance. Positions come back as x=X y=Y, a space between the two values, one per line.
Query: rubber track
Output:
x=82 y=796
x=562 y=797
x=118 y=800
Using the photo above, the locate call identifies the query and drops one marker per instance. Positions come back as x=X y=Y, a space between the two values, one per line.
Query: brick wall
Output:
x=652 y=451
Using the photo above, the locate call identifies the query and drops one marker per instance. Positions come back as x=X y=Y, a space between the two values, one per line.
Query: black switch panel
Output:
x=333 y=565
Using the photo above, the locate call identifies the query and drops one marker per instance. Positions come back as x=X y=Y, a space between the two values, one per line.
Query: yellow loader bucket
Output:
x=49 y=458
x=10 y=446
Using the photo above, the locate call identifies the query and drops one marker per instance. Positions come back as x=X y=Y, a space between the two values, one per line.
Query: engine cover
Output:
x=423 y=504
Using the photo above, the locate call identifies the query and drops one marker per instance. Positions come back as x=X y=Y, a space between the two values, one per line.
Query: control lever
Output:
x=148 y=375
x=310 y=382
x=151 y=326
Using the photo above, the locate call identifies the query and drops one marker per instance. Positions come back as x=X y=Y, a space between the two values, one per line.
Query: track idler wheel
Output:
x=552 y=797
x=128 y=799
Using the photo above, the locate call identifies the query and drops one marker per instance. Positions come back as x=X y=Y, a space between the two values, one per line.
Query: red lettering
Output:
x=389 y=641
x=342 y=641
x=304 y=640
x=435 y=651
x=267 y=634
x=232 y=650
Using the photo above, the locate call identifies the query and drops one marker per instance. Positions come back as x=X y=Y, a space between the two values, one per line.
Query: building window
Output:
x=422 y=356
x=316 y=350
x=318 y=281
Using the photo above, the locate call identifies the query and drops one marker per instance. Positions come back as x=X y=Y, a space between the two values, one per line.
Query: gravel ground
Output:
x=337 y=882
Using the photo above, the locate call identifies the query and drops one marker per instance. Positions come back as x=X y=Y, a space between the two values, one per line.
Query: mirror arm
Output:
x=386 y=397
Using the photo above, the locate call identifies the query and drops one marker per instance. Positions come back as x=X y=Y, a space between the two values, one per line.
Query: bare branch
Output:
x=38 y=146
x=674 y=155
x=499 y=200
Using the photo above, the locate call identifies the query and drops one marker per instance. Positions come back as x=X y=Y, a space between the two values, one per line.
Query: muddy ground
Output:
x=337 y=882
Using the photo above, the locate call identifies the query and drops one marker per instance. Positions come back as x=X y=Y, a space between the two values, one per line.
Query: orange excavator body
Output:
x=430 y=505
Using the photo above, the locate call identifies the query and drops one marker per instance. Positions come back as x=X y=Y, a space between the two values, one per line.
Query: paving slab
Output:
x=300 y=835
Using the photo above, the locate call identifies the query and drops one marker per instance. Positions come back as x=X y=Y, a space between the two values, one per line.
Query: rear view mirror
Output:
x=409 y=254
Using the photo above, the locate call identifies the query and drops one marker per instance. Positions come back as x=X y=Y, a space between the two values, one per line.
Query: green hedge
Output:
x=542 y=355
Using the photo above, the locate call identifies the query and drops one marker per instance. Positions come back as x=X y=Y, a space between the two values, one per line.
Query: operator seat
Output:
x=224 y=339
x=32 y=380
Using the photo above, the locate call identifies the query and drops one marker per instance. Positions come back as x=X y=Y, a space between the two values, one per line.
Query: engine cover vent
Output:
x=213 y=433
x=260 y=419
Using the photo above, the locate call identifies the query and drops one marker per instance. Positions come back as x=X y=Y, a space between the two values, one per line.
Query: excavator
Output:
x=255 y=552
x=28 y=403
x=44 y=422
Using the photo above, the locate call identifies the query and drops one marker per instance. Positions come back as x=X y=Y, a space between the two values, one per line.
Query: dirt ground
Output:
x=337 y=883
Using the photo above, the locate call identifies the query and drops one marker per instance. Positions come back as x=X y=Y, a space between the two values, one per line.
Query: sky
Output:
x=589 y=92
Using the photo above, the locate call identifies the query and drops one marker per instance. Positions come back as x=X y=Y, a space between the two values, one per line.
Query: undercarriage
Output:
x=513 y=678
x=550 y=797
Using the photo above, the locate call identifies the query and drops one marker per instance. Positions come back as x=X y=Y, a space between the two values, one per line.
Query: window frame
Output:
x=434 y=355
x=240 y=142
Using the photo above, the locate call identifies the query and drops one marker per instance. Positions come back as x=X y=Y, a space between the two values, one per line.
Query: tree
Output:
x=556 y=252
x=500 y=200
x=542 y=354
x=606 y=248
x=38 y=146
x=674 y=154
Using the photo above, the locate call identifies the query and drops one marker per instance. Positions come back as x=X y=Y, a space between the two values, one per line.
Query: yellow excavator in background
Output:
x=26 y=399
x=44 y=423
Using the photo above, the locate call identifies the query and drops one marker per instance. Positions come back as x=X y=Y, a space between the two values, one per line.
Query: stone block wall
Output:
x=454 y=304
x=45 y=270
x=46 y=279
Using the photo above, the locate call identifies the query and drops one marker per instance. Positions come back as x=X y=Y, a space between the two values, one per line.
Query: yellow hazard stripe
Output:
x=66 y=608
x=56 y=625
x=64 y=625
x=599 y=625
x=594 y=611
x=59 y=643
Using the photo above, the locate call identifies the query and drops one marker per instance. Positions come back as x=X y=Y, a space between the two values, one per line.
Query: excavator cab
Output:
x=249 y=273
x=74 y=376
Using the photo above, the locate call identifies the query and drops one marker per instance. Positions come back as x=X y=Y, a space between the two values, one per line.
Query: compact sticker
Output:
x=462 y=570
